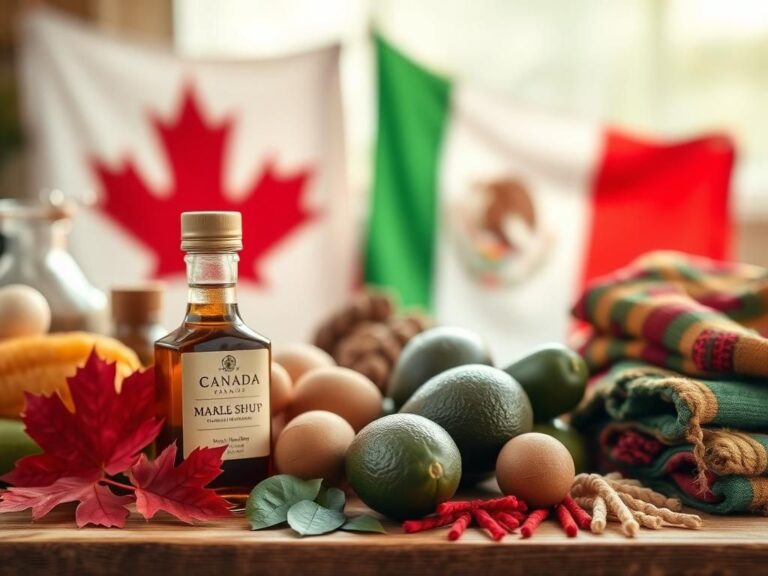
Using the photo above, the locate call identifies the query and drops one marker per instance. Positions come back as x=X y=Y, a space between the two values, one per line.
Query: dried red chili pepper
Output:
x=497 y=515
x=566 y=520
x=484 y=520
x=582 y=518
x=458 y=506
x=532 y=522
x=505 y=503
x=411 y=526
x=507 y=521
x=459 y=526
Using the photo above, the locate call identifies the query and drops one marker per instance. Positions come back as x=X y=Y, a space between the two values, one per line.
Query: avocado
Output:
x=571 y=439
x=403 y=466
x=432 y=352
x=554 y=377
x=481 y=407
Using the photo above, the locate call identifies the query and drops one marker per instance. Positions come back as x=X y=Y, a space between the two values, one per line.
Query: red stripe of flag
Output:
x=649 y=196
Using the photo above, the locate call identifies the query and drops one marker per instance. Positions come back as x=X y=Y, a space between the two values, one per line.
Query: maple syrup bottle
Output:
x=213 y=372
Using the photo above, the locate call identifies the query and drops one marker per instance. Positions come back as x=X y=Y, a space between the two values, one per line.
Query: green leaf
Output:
x=332 y=498
x=310 y=519
x=364 y=524
x=271 y=499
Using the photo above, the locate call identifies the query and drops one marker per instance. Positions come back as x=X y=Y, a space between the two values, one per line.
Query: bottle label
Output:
x=225 y=401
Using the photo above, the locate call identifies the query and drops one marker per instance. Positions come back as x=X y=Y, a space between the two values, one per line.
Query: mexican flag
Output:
x=493 y=215
x=153 y=134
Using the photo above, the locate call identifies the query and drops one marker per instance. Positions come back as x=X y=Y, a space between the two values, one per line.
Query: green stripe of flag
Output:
x=413 y=108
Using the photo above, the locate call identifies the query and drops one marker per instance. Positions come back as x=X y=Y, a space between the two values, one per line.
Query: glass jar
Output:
x=34 y=252
x=136 y=314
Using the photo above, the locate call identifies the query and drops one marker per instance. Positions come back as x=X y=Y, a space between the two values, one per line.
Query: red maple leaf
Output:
x=195 y=152
x=106 y=432
x=98 y=504
x=179 y=491
x=83 y=451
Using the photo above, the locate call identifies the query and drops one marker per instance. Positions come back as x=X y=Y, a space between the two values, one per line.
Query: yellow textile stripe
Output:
x=731 y=452
x=601 y=316
x=751 y=355
x=597 y=350
x=759 y=494
x=670 y=266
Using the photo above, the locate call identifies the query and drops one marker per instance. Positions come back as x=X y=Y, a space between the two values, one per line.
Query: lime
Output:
x=403 y=466
x=554 y=378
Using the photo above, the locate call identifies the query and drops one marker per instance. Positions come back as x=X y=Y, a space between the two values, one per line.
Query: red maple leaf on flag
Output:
x=86 y=451
x=195 y=153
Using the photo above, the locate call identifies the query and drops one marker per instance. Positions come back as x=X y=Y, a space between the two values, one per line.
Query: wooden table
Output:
x=731 y=545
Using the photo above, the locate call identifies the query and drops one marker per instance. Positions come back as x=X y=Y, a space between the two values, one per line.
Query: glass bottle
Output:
x=136 y=318
x=34 y=252
x=213 y=372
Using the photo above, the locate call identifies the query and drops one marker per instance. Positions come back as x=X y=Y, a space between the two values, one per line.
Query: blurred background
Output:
x=685 y=78
x=665 y=67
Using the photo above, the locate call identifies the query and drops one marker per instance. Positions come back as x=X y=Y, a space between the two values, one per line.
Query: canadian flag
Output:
x=154 y=134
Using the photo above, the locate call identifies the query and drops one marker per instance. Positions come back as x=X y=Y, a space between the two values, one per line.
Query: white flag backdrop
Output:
x=153 y=134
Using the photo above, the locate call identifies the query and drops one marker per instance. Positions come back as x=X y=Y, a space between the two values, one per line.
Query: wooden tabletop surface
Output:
x=729 y=545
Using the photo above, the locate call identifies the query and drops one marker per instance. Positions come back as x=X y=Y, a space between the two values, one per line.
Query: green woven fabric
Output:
x=646 y=418
x=674 y=404
x=733 y=494
x=684 y=402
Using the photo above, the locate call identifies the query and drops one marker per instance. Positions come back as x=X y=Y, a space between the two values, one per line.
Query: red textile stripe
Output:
x=650 y=196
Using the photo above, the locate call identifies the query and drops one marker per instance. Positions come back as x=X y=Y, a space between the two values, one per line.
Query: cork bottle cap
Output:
x=137 y=304
x=211 y=231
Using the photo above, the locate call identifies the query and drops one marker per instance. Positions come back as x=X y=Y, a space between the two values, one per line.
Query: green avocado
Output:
x=481 y=407
x=14 y=444
x=554 y=377
x=570 y=438
x=432 y=352
x=403 y=466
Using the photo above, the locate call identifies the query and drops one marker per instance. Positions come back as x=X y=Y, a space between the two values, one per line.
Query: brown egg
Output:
x=536 y=468
x=299 y=358
x=313 y=445
x=23 y=311
x=339 y=390
x=281 y=389
x=278 y=423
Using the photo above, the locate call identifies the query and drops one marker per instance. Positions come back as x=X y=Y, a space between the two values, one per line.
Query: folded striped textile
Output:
x=676 y=407
x=674 y=472
x=682 y=402
x=690 y=314
x=675 y=433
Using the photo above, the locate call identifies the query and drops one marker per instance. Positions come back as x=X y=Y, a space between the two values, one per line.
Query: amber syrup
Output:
x=212 y=379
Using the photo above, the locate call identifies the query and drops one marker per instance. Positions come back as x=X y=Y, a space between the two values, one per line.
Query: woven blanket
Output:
x=683 y=401
x=692 y=315
x=680 y=435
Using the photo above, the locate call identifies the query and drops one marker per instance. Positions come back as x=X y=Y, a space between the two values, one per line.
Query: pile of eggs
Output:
x=317 y=408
